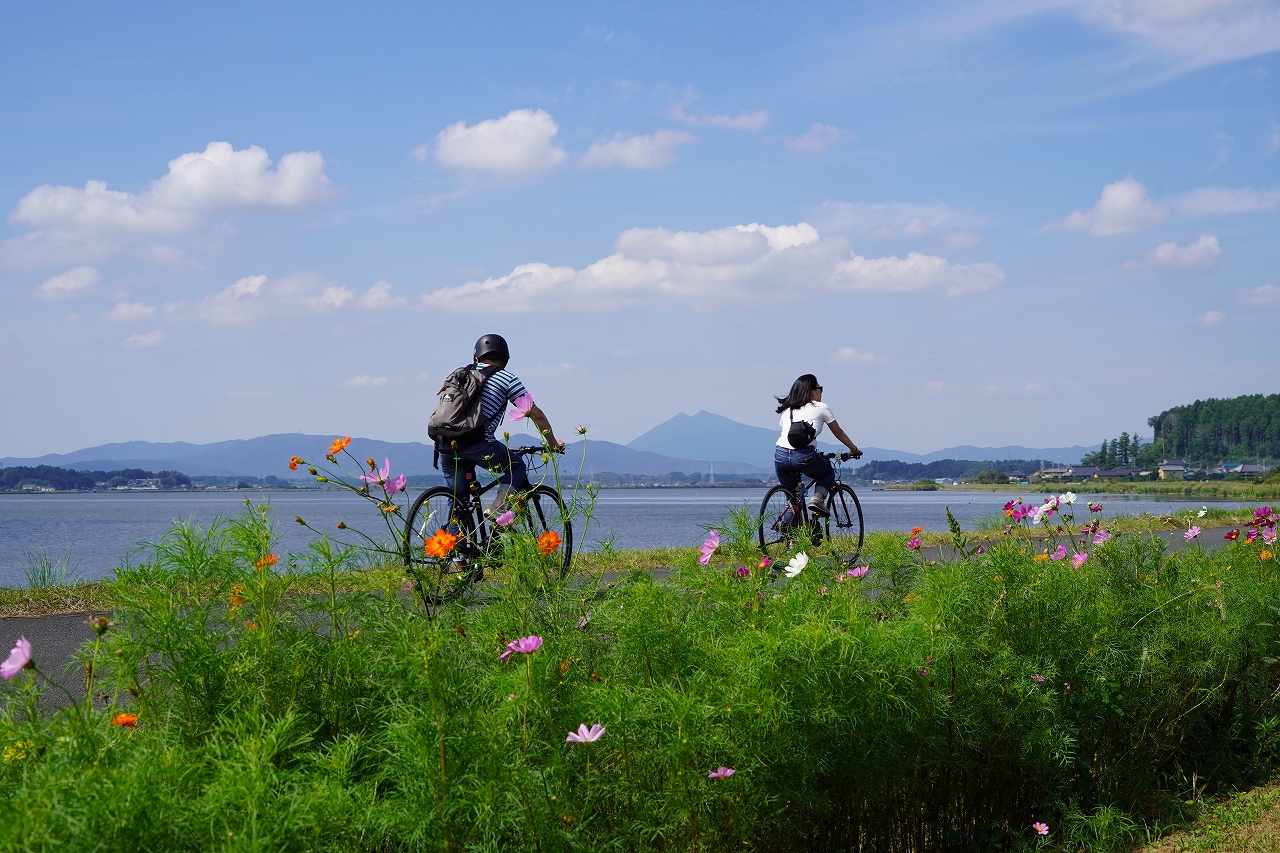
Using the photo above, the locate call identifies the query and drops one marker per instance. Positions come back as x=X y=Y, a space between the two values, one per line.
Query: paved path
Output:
x=55 y=639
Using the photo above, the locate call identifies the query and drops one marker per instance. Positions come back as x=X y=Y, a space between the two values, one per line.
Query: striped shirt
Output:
x=503 y=387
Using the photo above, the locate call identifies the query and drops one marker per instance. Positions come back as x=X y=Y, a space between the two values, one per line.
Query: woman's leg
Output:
x=788 y=473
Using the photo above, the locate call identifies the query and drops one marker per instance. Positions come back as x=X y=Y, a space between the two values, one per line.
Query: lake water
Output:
x=101 y=528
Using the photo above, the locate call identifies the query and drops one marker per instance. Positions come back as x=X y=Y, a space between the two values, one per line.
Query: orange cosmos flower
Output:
x=548 y=542
x=1266 y=555
x=390 y=508
x=1040 y=558
x=441 y=544
x=236 y=600
x=339 y=444
x=126 y=720
x=269 y=560
x=916 y=530
x=293 y=462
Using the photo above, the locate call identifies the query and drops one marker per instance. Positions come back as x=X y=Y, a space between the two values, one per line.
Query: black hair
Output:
x=801 y=393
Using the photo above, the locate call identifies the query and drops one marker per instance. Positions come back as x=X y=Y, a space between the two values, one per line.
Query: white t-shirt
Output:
x=817 y=414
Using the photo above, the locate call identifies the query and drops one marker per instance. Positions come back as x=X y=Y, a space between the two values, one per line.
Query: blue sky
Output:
x=977 y=222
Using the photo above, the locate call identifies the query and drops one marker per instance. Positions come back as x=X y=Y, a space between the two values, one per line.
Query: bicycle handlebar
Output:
x=530 y=451
x=842 y=456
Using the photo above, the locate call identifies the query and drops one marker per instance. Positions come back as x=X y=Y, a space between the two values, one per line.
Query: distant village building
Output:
x=1118 y=474
x=1172 y=469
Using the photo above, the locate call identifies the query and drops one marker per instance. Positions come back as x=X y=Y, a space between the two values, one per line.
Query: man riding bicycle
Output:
x=499 y=387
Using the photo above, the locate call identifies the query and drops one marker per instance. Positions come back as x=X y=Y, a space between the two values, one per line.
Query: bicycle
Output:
x=784 y=515
x=479 y=539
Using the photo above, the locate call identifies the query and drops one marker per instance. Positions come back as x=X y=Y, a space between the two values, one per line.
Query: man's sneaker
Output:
x=818 y=505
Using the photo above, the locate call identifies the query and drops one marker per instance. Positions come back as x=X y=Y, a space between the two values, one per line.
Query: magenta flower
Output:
x=379 y=476
x=913 y=543
x=505 y=519
x=743 y=571
x=523 y=405
x=408 y=584
x=924 y=672
x=1037 y=678
x=397 y=485
x=1101 y=536
x=1269 y=536
x=524 y=645
x=721 y=773
x=18 y=660
x=1060 y=553
x=1040 y=828
x=586 y=735
x=1095 y=507
x=1250 y=536
x=765 y=563
x=982 y=549
x=1192 y=533
x=1262 y=512
x=582 y=623
x=857 y=572
x=928 y=661
x=1009 y=506
x=1079 y=560
x=709 y=547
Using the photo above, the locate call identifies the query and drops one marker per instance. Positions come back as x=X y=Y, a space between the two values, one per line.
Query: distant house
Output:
x=1172 y=469
x=1117 y=474
x=1051 y=473
x=1082 y=472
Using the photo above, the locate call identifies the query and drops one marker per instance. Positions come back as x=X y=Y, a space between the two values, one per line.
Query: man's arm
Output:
x=544 y=426
x=845 y=440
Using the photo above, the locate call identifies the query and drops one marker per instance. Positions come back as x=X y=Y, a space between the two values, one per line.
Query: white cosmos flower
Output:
x=797 y=564
x=1204 y=510
x=1069 y=498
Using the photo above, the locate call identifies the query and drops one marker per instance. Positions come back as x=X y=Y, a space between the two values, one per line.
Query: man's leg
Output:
x=497 y=458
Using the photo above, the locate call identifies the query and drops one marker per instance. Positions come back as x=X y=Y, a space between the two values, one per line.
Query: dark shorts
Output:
x=490 y=455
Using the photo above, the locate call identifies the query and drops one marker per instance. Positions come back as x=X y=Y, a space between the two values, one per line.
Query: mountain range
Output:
x=688 y=443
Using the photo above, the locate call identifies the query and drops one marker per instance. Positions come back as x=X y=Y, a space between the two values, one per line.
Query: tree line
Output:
x=66 y=479
x=955 y=469
x=1209 y=431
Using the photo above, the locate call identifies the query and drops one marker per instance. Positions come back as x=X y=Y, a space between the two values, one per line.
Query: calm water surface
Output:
x=100 y=529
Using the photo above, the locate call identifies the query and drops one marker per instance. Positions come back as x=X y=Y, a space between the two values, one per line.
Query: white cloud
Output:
x=849 y=355
x=1268 y=296
x=1124 y=208
x=751 y=120
x=257 y=298
x=94 y=221
x=1222 y=145
x=365 y=382
x=880 y=220
x=1208 y=201
x=144 y=340
x=520 y=143
x=1032 y=388
x=1197 y=255
x=935 y=387
x=958 y=239
x=653 y=151
x=130 y=312
x=70 y=284
x=818 y=138
x=1211 y=318
x=379 y=298
x=1199 y=32
x=713 y=268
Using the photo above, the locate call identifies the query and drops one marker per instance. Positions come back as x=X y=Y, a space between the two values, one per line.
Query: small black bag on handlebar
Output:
x=457 y=414
x=801 y=434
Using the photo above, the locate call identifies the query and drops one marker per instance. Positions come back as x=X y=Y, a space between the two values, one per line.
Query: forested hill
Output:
x=63 y=479
x=953 y=468
x=1210 y=431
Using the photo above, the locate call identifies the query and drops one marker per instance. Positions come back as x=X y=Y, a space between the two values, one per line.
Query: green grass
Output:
x=920 y=707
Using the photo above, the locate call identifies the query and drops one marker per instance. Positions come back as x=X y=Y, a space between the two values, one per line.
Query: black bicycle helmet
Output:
x=492 y=345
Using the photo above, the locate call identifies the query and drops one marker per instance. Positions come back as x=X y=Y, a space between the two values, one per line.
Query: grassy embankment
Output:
x=1218 y=489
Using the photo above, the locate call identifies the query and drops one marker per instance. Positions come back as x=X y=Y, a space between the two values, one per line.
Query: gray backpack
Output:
x=457 y=415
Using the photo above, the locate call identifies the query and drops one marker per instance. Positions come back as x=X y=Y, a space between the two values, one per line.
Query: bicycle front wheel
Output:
x=846 y=517
x=433 y=511
x=544 y=512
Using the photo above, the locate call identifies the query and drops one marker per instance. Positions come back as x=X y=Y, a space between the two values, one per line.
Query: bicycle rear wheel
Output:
x=433 y=511
x=781 y=517
x=846 y=517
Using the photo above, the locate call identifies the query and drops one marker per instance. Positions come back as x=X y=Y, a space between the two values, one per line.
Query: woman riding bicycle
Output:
x=803 y=417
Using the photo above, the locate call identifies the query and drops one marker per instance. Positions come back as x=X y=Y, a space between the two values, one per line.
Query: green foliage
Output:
x=991 y=477
x=900 y=711
x=65 y=479
x=1209 y=431
x=955 y=469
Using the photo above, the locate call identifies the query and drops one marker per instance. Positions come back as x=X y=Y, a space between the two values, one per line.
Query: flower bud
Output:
x=322 y=479
x=311 y=471
x=298 y=519
x=342 y=525
x=100 y=624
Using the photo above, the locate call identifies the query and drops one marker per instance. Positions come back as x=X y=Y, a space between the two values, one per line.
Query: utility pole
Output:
x=713 y=473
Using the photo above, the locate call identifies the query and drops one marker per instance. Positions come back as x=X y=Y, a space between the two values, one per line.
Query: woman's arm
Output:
x=845 y=440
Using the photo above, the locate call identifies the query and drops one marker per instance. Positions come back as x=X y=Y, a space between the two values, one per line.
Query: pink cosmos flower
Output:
x=1079 y=560
x=1101 y=536
x=397 y=485
x=1037 y=678
x=913 y=543
x=1060 y=553
x=721 y=773
x=18 y=660
x=523 y=404
x=982 y=549
x=924 y=672
x=379 y=476
x=1095 y=507
x=582 y=623
x=408 y=584
x=822 y=590
x=1191 y=533
x=1040 y=828
x=505 y=519
x=586 y=735
x=1250 y=536
x=765 y=563
x=1262 y=512
x=1269 y=536
x=928 y=661
x=857 y=572
x=709 y=547
x=743 y=571
x=524 y=645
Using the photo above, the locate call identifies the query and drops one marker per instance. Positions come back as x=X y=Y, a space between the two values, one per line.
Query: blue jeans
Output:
x=491 y=455
x=809 y=461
